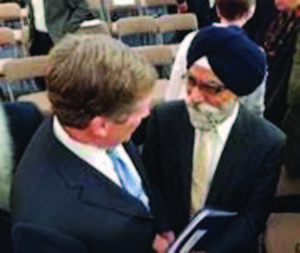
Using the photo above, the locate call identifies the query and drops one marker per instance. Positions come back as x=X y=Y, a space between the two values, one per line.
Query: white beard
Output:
x=205 y=116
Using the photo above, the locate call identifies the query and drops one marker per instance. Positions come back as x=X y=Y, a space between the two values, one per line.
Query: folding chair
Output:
x=137 y=31
x=19 y=74
x=158 y=7
x=40 y=100
x=21 y=37
x=10 y=15
x=7 y=43
x=160 y=56
x=173 y=28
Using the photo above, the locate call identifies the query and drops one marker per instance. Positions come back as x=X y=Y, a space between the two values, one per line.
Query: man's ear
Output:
x=98 y=126
x=250 y=12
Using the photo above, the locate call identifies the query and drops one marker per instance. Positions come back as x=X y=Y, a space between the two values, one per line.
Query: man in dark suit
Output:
x=239 y=167
x=18 y=121
x=77 y=188
x=60 y=17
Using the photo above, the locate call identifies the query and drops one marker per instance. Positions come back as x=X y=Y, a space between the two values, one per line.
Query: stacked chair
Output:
x=137 y=31
x=173 y=28
x=23 y=70
x=10 y=15
x=146 y=25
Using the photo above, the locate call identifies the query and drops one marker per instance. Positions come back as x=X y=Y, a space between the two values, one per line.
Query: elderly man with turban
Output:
x=209 y=150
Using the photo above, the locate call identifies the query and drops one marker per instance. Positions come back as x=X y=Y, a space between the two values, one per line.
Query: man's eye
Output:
x=191 y=80
x=218 y=90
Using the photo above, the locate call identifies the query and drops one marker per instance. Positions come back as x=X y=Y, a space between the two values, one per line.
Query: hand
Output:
x=169 y=236
x=162 y=241
x=160 y=244
x=182 y=8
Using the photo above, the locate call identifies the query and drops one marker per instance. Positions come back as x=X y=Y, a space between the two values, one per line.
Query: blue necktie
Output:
x=127 y=179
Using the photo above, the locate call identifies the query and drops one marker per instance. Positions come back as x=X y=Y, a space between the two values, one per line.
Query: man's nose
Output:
x=195 y=95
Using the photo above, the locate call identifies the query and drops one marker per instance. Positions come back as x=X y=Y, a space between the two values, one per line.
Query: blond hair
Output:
x=94 y=75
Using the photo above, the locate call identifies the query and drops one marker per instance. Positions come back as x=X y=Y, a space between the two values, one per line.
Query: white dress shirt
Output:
x=215 y=150
x=95 y=156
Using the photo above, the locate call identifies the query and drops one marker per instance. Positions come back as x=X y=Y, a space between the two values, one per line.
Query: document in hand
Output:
x=201 y=229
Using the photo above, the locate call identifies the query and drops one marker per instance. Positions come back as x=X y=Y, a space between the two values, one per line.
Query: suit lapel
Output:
x=100 y=191
x=92 y=187
x=185 y=135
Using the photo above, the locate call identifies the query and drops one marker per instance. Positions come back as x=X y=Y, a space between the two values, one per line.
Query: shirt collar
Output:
x=76 y=146
x=224 y=128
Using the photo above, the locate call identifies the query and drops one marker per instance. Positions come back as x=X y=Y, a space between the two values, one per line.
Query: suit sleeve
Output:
x=31 y=238
x=243 y=234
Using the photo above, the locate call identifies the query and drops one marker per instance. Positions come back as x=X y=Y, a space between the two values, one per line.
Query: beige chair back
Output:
x=26 y=68
x=10 y=12
x=7 y=36
x=40 y=100
x=22 y=69
x=135 y=25
x=177 y=22
x=158 y=54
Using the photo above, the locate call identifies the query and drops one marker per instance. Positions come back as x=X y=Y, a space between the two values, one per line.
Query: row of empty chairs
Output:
x=162 y=30
x=166 y=29
x=21 y=71
x=27 y=68
x=13 y=40
x=145 y=30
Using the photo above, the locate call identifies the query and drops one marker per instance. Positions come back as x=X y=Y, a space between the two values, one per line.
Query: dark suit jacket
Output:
x=22 y=119
x=61 y=204
x=244 y=181
x=202 y=10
